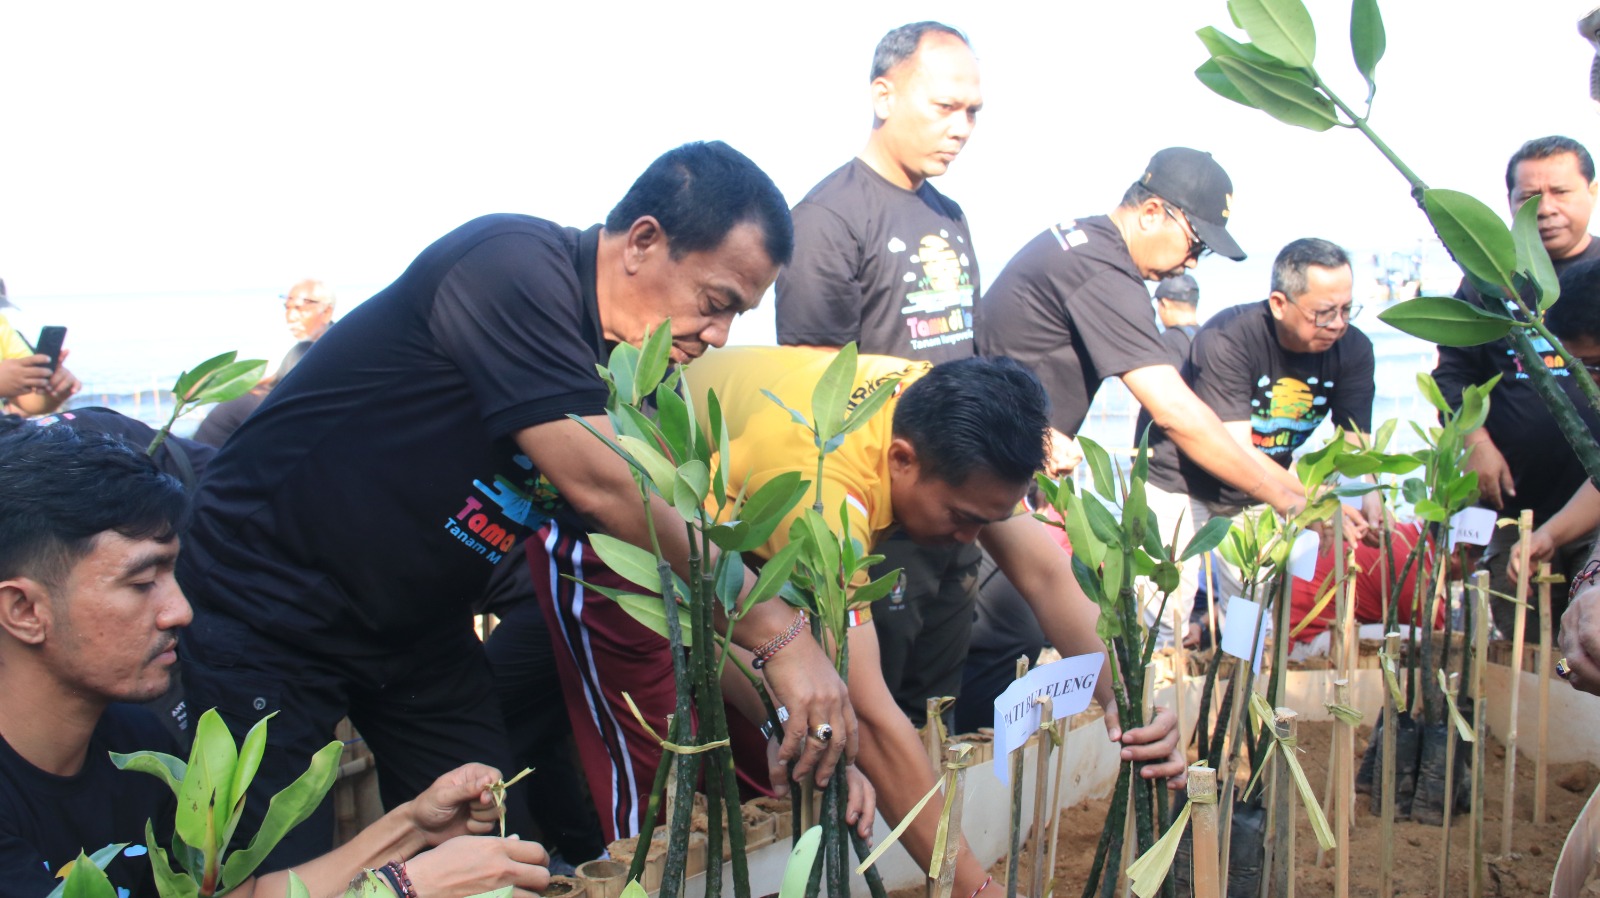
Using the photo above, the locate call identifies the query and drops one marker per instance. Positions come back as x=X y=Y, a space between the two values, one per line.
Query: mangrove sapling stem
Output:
x=1391 y=721
x=1508 y=803
x=1480 y=725
x=653 y=808
x=1209 y=748
x=736 y=842
x=1541 y=759
x=873 y=877
x=833 y=837
x=1104 y=848
x=715 y=807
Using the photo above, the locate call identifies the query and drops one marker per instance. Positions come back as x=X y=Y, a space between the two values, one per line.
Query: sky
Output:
x=170 y=148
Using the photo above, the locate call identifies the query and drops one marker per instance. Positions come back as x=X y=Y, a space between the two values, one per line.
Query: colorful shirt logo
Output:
x=1283 y=413
x=938 y=307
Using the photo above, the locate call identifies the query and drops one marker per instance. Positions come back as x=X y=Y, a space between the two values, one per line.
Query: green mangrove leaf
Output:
x=798 y=870
x=690 y=483
x=654 y=357
x=230 y=381
x=634 y=890
x=1367 y=40
x=1220 y=44
x=647 y=610
x=244 y=772
x=1446 y=321
x=730 y=534
x=1087 y=579
x=287 y=810
x=875 y=589
x=188 y=380
x=767 y=507
x=1166 y=577
x=772 y=577
x=1280 y=27
x=207 y=784
x=1473 y=233
x=1099 y=462
x=729 y=580
x=630 y=562
x=1211 y=75
x=1104 y=524
x=297 y=887
x=661 y=472
x=1429 y=510
x=622 y=369
x=86 y=877
x=832 y=393
x=1275 y=92
x=719 y=440
x=875 y=401
x=676 y=426
x=1430 y=391
x=798 y=418
x=1384 y=433
x=1085 y=542
x=1532 y=257
x=165 y=767
x=1113 y=576
x=169 y=882
x=1208 y=537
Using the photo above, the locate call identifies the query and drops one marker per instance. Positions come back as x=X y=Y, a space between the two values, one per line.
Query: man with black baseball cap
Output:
x=1177 y=300
x=1073 y=306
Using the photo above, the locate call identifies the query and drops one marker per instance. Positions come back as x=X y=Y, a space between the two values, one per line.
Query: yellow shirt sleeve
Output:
x=11 y=345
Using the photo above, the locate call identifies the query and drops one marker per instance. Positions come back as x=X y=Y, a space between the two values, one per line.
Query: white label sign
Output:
x=1239 y=637
x=1303 y=555
x=1070 y=684
x=1472 y=526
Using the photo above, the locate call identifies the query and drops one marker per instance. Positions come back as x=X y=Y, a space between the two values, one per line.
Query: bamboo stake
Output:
x=1180 y=668
x=1480 y=638
x=933 y=737
x=1015 y=760
x=1040 y=793
x=1391 y=721
x=1282 y=878
x=955 y=784
x=1205 y=876
x=1507 y=808
x=1339 y=636
x=1450 y=793
x=1541 y=761
x=1225 y=774
x=1211 y=601
x=1055 y=806
x=1345 y=734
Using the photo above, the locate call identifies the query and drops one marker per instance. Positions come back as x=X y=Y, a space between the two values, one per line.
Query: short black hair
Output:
x=60 y=489
x=1544 y=148
x=975 y=414
x=1136 y=195
x=701 y=191
x=1289 y=269
x=901 y=44
x=1577 y=312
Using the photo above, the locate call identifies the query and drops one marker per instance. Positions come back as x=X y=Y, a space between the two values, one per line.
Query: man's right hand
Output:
x=19 y=377
x=1540 y=548
x=1495 y=484
x=1065 y=455
x=802 y=679
x=471 y=865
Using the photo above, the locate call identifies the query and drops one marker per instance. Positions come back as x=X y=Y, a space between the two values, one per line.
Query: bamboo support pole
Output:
x=1508 y=802
x=1204 y=876
x=1391 y=722
x=1344 y=801
x=1480 y=722
x=933 y=732
x=1041 y=789
x=1226 y=773
x=1130 y=833
x=1180 y=668
x=1450 y=792
x=1281 y=878
x=1012 y=870
x=1541 y=760
x=1339 y=638
x=1211 y=601
x=1055 y=807
x=955 y=776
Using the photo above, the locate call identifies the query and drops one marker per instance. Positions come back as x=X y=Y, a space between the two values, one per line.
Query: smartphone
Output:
x=50 y=340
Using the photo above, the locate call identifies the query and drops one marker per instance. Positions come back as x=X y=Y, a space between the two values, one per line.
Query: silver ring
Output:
x=823 y=732
x=768 y=731
x=1563 y=669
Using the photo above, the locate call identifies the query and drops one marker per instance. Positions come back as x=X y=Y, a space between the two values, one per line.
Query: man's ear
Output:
x=903 y=457
x=882 y=98
x=645 y=236
x=1276 y=301
x=25 y=611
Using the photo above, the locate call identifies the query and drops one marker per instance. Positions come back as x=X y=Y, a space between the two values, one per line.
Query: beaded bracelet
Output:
x=766 y=650
x=395 y=872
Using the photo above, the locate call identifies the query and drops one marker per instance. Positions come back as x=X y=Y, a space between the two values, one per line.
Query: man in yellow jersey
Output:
x=27 y=382
x=947 y=461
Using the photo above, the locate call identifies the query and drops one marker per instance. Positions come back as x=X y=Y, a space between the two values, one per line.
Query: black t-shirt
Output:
x=1238 y=368
x=890 y=268
x=1178 y=339
x=376 y=487
x=45 y=820
x=1071 y=306
x=1543 y=466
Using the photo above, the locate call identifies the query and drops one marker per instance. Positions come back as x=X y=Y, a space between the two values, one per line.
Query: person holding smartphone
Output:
x=30 y=383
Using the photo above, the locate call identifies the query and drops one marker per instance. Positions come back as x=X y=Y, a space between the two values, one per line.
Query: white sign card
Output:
x=1070 y=684
x=1303 y=555
x=1239 y=631
x=1472 y=526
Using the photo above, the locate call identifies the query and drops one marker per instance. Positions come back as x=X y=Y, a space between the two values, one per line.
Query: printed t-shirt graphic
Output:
x=888 y=268
x=1284 y=412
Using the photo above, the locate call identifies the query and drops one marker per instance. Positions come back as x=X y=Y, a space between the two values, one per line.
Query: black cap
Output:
x=1196 y=184
x=1182 y=288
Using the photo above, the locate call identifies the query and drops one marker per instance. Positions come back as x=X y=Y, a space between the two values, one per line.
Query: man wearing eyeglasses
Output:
x=1272 y=371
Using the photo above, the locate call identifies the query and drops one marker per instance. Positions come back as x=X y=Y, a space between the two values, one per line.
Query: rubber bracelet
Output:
x=982 y=887
x=1586 y=576
x=398 y=869
x=766 y=650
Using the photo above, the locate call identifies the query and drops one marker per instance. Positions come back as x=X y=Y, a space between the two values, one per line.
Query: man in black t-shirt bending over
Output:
x=884 y=259
x=342 y=534
x=1521 y=457
x=1272 y=371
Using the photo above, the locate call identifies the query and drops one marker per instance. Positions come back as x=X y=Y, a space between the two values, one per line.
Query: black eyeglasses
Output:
x=1329 y=317
x=1197 y=247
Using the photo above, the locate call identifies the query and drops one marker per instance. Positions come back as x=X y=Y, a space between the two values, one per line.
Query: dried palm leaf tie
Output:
x=951 y=766
x=498 y=788
x=1463 y=728
x=670 y=746
x=764 y=652
x=1150 y=870
x=1266 y=718
x=1391 y=675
